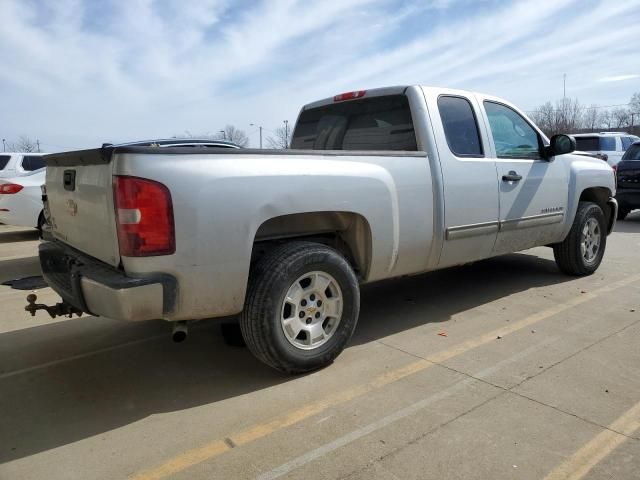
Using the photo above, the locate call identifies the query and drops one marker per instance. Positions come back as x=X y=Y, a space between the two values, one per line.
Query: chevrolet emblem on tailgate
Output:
x=72 y=207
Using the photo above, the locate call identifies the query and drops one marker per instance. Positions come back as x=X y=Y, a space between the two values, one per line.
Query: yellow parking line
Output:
x=194 y=456
x=581 y=462
x=215 y=448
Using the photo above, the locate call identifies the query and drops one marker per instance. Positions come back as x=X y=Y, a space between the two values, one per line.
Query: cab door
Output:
x=469 y=178
x=533 y=191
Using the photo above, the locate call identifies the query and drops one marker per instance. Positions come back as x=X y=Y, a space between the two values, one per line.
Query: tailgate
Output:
x=80 y=199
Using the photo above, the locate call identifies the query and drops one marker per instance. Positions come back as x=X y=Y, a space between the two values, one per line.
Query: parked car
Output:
x=17 y=164
x=378 y=184
x=609 y=146
x=628 y=179
x=21 y=200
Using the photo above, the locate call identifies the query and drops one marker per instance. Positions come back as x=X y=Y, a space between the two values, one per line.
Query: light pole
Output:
x=260 y=127
x=286 y=132
x=224 y=134
x=4 y=147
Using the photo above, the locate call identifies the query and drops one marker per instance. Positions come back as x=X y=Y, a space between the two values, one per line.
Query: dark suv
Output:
x=628 y=177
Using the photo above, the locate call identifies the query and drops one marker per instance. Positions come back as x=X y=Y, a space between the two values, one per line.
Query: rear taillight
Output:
x=10 y=188
x=144 y=215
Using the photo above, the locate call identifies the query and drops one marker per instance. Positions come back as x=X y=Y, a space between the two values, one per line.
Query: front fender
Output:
x=587 y=175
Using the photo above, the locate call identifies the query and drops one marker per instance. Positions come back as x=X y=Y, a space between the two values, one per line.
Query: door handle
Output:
x=511 y=177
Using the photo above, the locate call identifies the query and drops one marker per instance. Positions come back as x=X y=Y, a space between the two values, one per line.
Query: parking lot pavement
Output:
x=501 y=369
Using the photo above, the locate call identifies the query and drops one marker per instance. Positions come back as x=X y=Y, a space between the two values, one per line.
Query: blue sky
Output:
x=78 y=73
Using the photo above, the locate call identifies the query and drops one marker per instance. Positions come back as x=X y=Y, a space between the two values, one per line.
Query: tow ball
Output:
x=57 y=310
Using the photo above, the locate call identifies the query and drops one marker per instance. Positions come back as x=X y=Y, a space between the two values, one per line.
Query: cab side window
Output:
x=460 y=126
x=512 y=135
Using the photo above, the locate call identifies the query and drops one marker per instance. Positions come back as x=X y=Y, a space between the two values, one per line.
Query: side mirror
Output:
x=560 y=144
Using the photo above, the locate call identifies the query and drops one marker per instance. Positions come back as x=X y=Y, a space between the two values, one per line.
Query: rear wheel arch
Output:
x=347 y=232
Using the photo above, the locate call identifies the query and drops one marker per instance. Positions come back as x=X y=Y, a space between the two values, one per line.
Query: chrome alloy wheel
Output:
x=590 y=240
x=311 y=310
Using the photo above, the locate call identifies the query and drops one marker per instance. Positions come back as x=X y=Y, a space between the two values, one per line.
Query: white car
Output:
x=18 y=164
x=609 y=146
x=21 y=200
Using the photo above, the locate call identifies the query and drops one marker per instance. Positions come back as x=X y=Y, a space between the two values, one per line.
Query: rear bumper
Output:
x=99 y=289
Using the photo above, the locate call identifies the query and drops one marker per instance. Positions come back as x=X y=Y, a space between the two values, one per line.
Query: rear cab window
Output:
x=31 y=163
x=4 y=161
x=376 y=123
x=460 y=126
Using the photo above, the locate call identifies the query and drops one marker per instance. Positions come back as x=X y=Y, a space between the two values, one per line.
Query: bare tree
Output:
x=23 y=144
x=280 y=139
x=235 y=135
x=621 y=117
x=592 y=118
x=564 y=117
x=544 y=117
x=634 y=103
x=230 y=133
x=606 y=119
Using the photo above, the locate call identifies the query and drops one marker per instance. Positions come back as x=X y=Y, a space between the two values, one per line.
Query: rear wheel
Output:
x=301 y=307
x=582 y=251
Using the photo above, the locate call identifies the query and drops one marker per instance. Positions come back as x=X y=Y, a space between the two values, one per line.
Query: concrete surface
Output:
x=556 y=396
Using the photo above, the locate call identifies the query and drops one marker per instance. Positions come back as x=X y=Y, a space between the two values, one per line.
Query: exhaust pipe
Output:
x=180 y=330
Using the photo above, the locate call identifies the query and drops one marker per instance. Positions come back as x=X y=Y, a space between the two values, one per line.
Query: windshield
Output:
x=378 y=123
x=633 y=152
x=4 y=159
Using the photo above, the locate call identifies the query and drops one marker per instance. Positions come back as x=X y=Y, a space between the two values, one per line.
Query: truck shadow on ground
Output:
x=118 y=373
x=631 y=224
x=18 y=236
x=15 y=268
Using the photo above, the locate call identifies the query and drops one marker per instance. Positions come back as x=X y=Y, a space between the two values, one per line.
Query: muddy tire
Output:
x=301 y=307
x=582 y=251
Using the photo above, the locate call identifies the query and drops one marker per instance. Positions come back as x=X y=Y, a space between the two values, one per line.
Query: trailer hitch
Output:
x=57 y=310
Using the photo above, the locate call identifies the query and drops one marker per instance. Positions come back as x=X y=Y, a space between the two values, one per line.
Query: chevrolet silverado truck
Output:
x=377 y=184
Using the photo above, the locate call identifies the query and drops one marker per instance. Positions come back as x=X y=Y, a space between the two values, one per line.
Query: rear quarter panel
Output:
x=220 y=202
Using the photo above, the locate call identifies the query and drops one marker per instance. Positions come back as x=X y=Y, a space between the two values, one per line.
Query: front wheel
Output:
x=301 y=307
x=582 y=251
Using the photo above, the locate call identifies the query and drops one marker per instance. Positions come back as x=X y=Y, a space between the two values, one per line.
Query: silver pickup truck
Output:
x=377 y=184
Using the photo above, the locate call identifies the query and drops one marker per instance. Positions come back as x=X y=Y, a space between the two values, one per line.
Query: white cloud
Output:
x=619 y=78
x=76 y=73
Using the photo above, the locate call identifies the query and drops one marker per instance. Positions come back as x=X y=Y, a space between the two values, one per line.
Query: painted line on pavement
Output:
x=394 y=417
x=599 y=447
x=53 y=363
x=194 y=456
